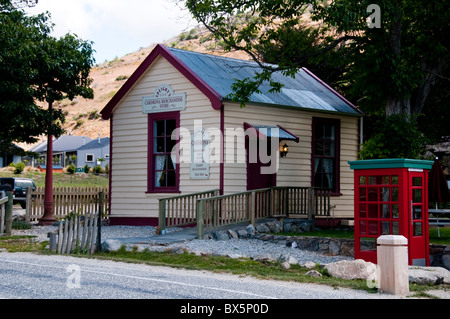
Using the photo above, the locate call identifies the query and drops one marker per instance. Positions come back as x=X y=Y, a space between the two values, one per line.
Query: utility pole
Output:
x=48 y=218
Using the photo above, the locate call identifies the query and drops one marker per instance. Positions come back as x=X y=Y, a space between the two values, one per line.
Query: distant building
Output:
x=64 y=151
x=94 y=153
x=13 y=154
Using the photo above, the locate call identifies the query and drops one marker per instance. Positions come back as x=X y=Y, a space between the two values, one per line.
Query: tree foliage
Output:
x=36 y=67
x=387 y=69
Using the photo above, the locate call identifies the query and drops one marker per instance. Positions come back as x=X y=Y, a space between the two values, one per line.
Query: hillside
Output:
x=83 y=115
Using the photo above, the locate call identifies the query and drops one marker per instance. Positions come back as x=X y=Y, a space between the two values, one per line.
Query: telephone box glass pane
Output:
x=373 y=210
x=395 y=211
x=395 y=228
x=362 y=180
x=385 y=228
x=385 y=180
x=363 y=227
x=417 y=229
x=362 y=211
x=417 y=181
x=385 y=211
x=362 y=194
x=385 y=191
x=373 y=227
x=394 y=180
x=372 y=194
x=367 y=243
x=417 y=195
x=395 y=194
x=417 y=212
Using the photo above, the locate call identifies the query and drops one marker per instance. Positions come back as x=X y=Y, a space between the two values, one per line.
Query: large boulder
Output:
x=111 y=245
x=351 y=269
x=429 y=275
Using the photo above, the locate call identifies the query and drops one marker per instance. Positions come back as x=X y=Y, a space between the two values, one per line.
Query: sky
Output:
x=116 y=27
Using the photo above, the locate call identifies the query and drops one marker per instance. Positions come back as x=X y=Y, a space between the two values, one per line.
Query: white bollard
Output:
x=392 y=259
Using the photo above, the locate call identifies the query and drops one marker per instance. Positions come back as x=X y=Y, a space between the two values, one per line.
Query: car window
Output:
x=6 y=182
x=24 y=184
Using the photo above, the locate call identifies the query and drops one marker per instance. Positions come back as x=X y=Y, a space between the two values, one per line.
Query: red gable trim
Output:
x=214 y=97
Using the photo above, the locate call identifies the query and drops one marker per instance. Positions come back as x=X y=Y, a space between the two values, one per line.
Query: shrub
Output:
x=19 y=168
x=87 y=168
x=97 y=170
x=71 y=169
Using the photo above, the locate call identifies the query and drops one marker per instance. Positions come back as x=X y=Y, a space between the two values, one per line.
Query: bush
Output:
x=87 y=168
x=19 y=168
x=97 y=170
x=71 y=169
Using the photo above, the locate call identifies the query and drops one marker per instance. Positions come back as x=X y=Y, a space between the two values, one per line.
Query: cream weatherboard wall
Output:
x=295 y=168
x=130 y=142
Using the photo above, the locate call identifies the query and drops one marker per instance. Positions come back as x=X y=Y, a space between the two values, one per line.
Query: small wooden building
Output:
x=186 y=92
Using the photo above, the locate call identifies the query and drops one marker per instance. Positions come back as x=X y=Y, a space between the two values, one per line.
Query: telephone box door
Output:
x=418 y=219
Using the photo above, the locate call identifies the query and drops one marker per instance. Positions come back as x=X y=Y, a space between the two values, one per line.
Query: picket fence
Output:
x=76 y=234
x=66 y=201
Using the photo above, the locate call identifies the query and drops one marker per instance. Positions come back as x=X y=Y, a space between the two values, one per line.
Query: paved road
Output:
x=30 y=276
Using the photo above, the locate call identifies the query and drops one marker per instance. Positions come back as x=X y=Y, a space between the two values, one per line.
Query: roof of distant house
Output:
x=64 y=143
x=215 y=75
x=96 y=143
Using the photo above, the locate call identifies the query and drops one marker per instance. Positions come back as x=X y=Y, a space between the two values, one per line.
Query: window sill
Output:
x=163 y=191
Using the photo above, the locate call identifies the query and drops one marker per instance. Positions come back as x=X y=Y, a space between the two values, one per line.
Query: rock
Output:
x=176 y=250
x=285 y=265
x=306 y=226
x=234 y=256
x=18 y=214
x=232 y=234
x=429 y=275
x=250 y=231
x=264 y=258
x=313 y=273
x=289 y=259
x=309 y=265
x=220 y=235
x=351 y=269
x=111 y=245
x=333 y=247
x=347 y=248
x=242 y=233
x=262 y=228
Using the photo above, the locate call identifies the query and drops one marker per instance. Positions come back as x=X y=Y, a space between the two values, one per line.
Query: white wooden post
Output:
x=392 y=258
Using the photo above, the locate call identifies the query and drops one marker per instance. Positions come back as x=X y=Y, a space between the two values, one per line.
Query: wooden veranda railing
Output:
x=220 y=211
x=180 y=210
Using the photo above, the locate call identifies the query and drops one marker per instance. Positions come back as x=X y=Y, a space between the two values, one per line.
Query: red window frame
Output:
x=335 y=190
x=151 y=170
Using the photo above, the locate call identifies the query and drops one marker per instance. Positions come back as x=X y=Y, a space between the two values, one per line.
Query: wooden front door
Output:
x=261 y=172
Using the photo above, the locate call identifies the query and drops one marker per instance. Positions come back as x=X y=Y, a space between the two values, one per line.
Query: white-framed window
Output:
x=89 y=158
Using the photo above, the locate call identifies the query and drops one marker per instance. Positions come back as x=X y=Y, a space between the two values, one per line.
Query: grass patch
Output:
x=21 y=244
x=64 y=179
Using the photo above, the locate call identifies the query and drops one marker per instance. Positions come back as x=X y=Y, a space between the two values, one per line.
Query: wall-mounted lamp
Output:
x=284 y=149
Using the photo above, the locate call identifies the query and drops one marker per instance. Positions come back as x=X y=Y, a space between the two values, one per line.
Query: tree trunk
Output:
x=396 y=105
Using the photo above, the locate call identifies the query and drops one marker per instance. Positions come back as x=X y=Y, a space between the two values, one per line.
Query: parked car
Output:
x=19 y=188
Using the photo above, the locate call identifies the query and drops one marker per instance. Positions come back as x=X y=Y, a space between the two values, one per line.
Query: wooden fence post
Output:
x=200 y=212
x=162 y=216
x=253 y=208
x=99 y=228
x=8 y=214
x=28 y=205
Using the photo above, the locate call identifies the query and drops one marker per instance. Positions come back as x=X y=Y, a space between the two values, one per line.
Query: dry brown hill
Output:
x=83 y=115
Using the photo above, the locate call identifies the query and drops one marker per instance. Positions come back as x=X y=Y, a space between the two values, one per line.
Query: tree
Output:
x=37 y=68
x=388 y=66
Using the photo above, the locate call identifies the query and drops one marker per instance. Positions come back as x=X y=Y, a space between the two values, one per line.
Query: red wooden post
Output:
x=48 y=218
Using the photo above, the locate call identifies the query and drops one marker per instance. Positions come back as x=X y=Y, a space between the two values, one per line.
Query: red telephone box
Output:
x=391 y=198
